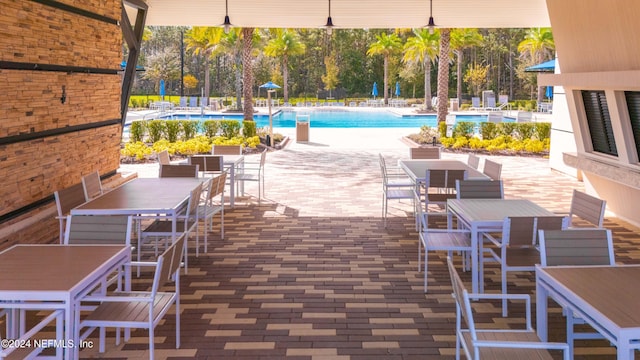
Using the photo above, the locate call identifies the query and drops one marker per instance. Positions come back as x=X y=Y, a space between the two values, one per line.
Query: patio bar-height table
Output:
x=487 y=215
x=417 y=169
x=56 y=277
x=606 y=297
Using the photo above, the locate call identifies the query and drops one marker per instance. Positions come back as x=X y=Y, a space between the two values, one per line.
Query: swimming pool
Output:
x=336 y=118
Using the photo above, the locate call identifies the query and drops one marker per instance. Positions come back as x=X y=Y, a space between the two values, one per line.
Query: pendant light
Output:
x=329 y=24
x=227 y=23
x=431 y=23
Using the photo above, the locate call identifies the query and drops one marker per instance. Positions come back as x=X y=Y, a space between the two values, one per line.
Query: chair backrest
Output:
x=207 y=163
x=98 y=229
x=479 y=189
x=524 y=116
x=425 y=152
x=588 y=208
x=163 y=157
x=216 y=186
x=439 y=178
x=226 y=150
x=492 y=169
x=576 y=247
x=168 y=265
x=461 y=297
x=520 y=231
x=179 y=171
x=473 y=161
x=69 y=198
x=263 y=158
x=92 y=185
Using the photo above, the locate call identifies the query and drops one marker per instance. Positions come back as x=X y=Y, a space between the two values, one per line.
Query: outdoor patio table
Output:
x=487 y=215
x=606 y=297
x=37 y=277
x=232 y=164
x=143 y=196
x=417 y=169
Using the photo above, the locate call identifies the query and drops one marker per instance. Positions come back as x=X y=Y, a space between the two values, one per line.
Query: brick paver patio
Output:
x=313 y=274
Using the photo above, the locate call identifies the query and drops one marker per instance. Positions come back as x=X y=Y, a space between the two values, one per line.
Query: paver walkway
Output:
x=313 y=274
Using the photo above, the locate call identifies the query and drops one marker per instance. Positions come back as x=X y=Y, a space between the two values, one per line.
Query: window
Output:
x=633 y=105
x=599 y=121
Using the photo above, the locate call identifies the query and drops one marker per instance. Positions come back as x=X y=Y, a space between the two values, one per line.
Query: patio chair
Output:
x=496 y=343
x=226 y=150
x=475 y=104
x=213 y=204
x=92 y=186
x=516 y=249
x=524 y=116
x=479 y=189
x=207 y=164
x=67 y=199
x=425 y=152
x=395 y=186
x=253 y=171
x=587 y=210
x=449 y=240
x=187 y=222
x=576 y=247
x=164 y=158
x=492 y=169
x=178 y=171
x=440 y=185
x=140 y=309
x=473 y=161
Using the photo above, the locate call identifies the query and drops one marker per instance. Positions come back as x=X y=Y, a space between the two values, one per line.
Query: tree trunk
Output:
x=386 y=72
x=206 y=74
x=247 y=72
x=459 y=54
x=443 y=75
x=285 y=78
x=238 y=73
x=427 y=85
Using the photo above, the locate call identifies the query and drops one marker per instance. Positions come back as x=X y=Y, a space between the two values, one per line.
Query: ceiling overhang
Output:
x=357 y=14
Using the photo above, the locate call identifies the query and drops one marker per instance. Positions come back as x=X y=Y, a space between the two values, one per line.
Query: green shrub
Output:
x=253 y=141
x=525 y=130
x=542 y=130
x=447 y=141
x=506 y=128
x=248 y=128
x=189 y=128
x=136 y=131
x=463 y=128
x=211 y=128
x=488 y=130
x=230 y=128
x=460 y=142
x=442 y=128
x=155 y=129
x=172 y=130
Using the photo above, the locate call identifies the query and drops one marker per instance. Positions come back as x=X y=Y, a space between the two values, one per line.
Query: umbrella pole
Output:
x=270 y=119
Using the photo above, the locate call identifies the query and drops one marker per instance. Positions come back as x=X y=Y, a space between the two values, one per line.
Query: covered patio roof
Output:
x=350 y=13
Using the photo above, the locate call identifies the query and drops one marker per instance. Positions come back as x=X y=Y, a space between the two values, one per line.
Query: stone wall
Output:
x=60 y=114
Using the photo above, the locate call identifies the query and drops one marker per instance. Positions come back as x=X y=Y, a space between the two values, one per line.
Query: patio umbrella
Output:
x=162 y=89
x=397 y=88
x=374 y=92
x=271 y=87
x=549 y=92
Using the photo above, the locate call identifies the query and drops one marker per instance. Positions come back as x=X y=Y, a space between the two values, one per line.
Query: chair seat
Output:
x=451 y=241
x=130 y=311
x=400 y=194
x=508 y=353
x=523 y=257
x=163 y=227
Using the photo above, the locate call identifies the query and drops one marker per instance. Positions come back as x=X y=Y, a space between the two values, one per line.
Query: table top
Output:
x=612 y=291
x=52 y=268
x=142 y=196
x=495 y=210
x=417 y=169
x=227 y=159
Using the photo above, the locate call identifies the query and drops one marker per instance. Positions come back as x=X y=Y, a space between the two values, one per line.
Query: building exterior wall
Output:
x=602 y=57
x=60 y=114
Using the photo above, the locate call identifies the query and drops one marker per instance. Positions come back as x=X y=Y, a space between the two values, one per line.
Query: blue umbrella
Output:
x=162 y=89
x=374 y=92
x=549 y=92
x=397 y=88
x=269 y=85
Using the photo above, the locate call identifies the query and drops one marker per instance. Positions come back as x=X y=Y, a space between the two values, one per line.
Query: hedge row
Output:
x=173 y=130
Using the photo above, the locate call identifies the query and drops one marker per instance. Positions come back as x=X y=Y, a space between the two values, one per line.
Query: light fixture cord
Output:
x=226 y=7
x=329 y=8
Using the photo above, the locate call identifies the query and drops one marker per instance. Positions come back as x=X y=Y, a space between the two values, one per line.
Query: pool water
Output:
x=337 y=119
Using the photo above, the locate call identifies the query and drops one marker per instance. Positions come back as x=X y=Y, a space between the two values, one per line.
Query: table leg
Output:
x=475 y=257
x=541 y=310
x=232 y=185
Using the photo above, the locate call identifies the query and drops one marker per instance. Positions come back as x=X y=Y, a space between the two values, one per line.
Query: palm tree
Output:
x=283 y=44
x=247 y=72
x=204 y=40
x=463 y=39
x=537 y=47
x=423 y=49
x=443 y=74
x=386 y=46
x=233 y=45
